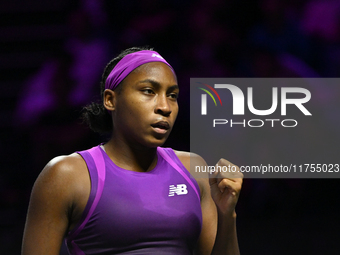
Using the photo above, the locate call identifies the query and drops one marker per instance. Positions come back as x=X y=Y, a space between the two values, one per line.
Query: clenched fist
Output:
x=225 y=184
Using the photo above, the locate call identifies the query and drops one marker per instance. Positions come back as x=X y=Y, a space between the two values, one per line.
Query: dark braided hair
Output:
x=95 y=115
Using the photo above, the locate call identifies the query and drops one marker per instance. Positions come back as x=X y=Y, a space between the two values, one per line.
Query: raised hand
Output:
x=225 y=185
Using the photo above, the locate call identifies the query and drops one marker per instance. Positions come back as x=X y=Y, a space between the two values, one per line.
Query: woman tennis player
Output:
x=129 y=195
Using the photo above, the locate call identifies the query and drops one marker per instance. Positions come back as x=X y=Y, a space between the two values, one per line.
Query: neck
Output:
x=131 y=157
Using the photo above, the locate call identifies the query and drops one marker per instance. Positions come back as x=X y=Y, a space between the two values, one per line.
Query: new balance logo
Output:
x=180 y=189
x=156 y=55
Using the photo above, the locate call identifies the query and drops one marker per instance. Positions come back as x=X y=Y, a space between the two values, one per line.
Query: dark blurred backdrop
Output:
x=52 y=55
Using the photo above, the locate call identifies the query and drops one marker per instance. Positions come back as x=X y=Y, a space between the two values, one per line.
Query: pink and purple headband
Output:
x=130 y=62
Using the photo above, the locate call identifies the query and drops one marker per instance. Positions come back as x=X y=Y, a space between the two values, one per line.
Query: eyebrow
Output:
x=157 y=84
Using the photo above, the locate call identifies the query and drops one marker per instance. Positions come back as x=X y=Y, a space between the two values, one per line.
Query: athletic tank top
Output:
x=155 y=212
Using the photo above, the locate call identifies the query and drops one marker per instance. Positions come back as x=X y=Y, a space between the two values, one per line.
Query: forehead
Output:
x=157 y=71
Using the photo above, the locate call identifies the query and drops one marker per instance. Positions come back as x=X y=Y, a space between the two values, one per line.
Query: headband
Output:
x=130 y=62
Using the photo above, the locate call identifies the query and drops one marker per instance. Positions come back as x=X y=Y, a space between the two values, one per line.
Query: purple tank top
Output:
x=155 y=212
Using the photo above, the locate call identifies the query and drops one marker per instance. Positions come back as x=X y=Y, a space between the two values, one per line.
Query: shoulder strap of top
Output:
x=167 y=158
x=98 y=159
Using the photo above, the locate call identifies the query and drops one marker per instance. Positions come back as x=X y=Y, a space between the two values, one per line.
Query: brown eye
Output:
x=148 y=91
x=173 y=95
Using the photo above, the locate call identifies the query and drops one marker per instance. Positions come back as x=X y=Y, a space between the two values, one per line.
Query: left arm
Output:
x=219 y=195
x=225 y=190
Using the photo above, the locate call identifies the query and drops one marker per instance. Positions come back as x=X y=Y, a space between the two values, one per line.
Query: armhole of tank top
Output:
x=99 y=163
x=164 y=152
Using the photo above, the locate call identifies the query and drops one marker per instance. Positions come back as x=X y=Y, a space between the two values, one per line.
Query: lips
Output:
x=161 y=127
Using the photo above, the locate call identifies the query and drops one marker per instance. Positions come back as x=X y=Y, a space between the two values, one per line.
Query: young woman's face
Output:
x=146 y=108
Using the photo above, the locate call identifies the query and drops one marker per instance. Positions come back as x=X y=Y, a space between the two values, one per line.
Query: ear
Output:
x=109 y=99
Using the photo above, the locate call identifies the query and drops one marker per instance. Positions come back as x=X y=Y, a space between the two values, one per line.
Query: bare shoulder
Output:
x=189 y=157
x=64 y=168
x=190 y=160
x=58 y=198
x=66 y=164
x=64 y=177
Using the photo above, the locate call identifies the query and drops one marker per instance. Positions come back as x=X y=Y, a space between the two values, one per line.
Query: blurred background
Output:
x=52 y=56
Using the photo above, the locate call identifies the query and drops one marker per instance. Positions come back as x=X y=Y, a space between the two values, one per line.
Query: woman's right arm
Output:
x=53 y=204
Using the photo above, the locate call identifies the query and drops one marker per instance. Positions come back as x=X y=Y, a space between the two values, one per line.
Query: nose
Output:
x=162 y=105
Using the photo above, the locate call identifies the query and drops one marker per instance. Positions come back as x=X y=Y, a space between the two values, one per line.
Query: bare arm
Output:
x=53 y=205
x=225 y=190
x=218 y=200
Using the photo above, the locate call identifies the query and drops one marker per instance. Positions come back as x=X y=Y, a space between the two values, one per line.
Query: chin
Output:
x=156 y=142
